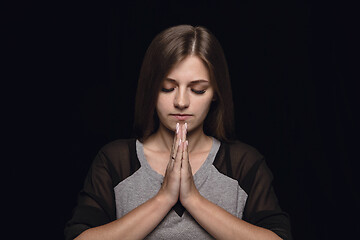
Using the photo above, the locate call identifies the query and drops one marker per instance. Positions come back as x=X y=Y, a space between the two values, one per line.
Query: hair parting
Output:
x=166 y=50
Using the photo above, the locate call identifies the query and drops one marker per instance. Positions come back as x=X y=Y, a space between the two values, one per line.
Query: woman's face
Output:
x=185 y=95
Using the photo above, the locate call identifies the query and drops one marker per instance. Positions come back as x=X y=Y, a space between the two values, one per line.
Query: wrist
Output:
x=164 y=200
x=192 y=201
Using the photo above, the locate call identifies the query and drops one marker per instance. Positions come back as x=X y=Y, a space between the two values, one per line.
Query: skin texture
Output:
x=176 y=151
x=185 y=90
x=188 y=91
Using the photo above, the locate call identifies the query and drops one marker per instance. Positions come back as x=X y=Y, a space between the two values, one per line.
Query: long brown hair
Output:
x=167 y=49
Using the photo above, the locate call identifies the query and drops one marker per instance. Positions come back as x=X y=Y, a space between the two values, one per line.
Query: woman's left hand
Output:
x=188 y=190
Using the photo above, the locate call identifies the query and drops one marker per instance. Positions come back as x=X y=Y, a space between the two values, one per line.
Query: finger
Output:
x=177 y=162
x=176 y=136
x=177 y=139
x=174 y=147
x=184 y=132
x=185 y=165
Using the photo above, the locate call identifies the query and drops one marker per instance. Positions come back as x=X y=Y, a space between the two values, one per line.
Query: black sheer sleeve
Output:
x=262 y=207
x=244 y=163
x=96 y=201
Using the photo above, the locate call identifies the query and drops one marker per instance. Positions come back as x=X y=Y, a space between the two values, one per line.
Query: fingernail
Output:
x=177 y=127
x=179 y=141
x=187 y=142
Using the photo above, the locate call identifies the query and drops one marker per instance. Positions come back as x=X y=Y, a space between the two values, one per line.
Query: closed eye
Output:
x=167 y=89
x=198 y=91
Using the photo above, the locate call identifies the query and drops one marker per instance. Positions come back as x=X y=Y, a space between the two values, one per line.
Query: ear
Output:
x=214 y=98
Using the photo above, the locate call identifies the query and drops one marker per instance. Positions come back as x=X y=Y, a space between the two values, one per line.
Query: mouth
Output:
x=181 y=117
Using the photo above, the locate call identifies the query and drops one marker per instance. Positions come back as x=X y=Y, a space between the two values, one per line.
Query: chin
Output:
x=170 y=126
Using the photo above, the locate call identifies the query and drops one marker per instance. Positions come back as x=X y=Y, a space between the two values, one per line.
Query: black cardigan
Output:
x=236 y=160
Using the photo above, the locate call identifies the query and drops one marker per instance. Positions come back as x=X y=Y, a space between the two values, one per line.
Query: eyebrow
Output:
x=192 y=82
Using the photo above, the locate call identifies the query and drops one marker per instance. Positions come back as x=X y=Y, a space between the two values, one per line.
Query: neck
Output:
x=163 y=139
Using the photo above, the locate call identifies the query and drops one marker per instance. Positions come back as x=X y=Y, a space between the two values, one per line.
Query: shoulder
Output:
x=240 y=151
x=118 y=158
x=240 y=161
x=118 y=147
x=236 y=158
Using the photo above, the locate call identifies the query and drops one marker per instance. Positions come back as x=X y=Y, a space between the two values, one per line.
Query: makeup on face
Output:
x=181 y=117
x=185 y=95
x=196 y=86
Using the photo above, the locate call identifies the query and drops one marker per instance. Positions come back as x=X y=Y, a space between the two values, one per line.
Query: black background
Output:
x=73 y=69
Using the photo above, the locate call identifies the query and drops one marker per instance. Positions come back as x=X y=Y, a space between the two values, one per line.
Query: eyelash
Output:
x=172 y=89
x=167 y=90
x=198 y=92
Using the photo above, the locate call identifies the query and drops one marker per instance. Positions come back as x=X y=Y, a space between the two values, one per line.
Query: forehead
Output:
x=190 y=68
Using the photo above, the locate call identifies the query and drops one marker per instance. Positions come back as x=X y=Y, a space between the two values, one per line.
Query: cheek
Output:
x=162 y=105
x=204 y=105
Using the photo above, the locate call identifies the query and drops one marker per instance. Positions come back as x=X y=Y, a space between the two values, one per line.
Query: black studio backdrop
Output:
x=293 y=76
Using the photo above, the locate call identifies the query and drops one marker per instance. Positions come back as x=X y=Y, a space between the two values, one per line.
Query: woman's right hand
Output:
x=170 y=187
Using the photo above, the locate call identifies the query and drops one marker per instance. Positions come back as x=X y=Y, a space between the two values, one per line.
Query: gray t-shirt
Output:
x=213 y=185
x=234 y=176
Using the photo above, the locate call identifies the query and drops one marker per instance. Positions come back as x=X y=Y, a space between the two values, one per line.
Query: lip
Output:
x=181 y=117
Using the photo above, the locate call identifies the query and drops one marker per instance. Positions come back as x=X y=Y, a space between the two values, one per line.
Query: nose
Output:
x=181 y=100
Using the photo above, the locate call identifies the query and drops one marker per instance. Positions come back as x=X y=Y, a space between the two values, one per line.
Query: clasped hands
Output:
x=178 y=180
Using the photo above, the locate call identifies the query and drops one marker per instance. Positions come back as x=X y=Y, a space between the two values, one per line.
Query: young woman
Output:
x=183 y=176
